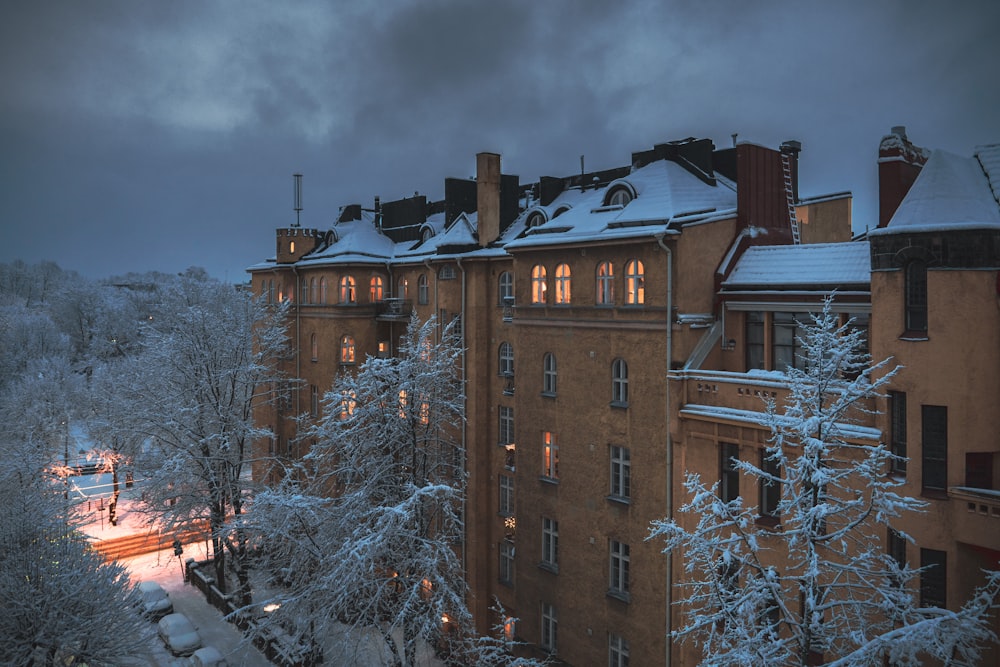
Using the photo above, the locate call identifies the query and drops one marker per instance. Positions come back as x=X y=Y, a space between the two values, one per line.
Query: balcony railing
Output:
x=394 y=308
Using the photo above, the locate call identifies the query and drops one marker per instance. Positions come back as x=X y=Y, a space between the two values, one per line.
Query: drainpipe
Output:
x=669 y=600
x=298 y=342
x=465 y=399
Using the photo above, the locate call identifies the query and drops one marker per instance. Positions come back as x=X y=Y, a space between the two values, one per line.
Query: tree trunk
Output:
x=113 y=503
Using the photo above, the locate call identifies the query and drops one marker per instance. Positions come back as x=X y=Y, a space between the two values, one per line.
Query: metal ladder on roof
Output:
x=786 y=170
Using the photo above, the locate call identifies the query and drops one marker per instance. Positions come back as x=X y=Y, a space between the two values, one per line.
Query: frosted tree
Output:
x=62 y=604
x=366 y=531
x=818 y=587
x=210 y=354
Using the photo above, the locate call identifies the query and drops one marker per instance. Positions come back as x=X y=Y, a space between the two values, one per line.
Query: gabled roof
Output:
x=789 y=266
x=951 y=193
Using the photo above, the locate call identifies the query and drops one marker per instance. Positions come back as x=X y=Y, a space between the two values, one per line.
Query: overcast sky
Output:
x=161 y=135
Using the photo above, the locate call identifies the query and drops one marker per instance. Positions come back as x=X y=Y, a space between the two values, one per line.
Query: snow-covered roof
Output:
x=665 y=192
x=951 y=192
x=826 y=264
x=714 y=412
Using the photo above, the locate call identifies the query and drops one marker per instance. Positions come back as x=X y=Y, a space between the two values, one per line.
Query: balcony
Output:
x=393 y=309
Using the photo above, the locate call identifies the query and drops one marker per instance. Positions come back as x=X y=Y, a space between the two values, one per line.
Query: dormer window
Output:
x=560 y=211
x=535 y=219
x=427 y=234
x=619 y=196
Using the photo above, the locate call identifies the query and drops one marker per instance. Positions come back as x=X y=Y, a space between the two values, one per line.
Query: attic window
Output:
x=535 y=219
x=560 y=211
x=619 y=196
x=447 y=272
x=427 y=234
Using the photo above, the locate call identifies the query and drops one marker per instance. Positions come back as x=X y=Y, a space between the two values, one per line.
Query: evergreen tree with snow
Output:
x=817 y=587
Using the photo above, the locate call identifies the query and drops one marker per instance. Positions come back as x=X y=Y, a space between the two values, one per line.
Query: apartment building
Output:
x=622 y=326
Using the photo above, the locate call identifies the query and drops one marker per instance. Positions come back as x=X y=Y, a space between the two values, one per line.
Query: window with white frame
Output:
x=617 y=651
x=505 y=287
x=539 y=285
x=422 y=289
x=550 y=542
x=635 y=283
x=348 y=290
x=506 y=565
x=505 y=432
x=605 y=284
x=550 y=456
x=549 y=374
x=619 y=382
x=618 y=568
x=505 y=359
x=564 y=284
x=620 y=196
x=347 y=350
x=403 y=289
x=506 y=495
x=549 y=627
x=621 y=472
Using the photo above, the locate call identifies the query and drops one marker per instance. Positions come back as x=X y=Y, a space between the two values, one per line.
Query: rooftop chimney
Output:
x=488 y=197
x=899 y=164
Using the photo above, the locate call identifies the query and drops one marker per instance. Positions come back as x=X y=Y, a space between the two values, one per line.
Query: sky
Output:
x=146 y=135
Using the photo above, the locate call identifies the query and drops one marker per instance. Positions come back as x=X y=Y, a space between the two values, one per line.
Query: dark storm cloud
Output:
x=164 y=134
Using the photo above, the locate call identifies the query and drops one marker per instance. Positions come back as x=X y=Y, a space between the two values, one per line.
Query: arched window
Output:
x=539 y=285
x=635 y=283
x=314 y=347
x=506 y=359
x=619 y=382
x=347 y=350
x=506 y=286
x=322 y=289
x=620 y=196
x=305 y=290
x=314 y=291
x=549 y=374
x=422 y=289
x=535 y=219
x=281 y=293
x=375 y=293
x=605 y=284
x=403 y=288
x=563 y=284
x=348 y=293
x=916 y=296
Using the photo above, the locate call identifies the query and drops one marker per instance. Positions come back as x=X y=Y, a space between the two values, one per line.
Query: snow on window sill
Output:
x=548 y=567
x=619 y=595
x=548 y=480
x=623 y=500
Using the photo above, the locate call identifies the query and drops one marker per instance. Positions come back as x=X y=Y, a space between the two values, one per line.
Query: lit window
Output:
x=605 y=284
x=404 y=288
x=291 y=247
x=550 y=455
x=729 y=474
x=314 y=347
x=621 y=472
x=635 y=283
x=347 y=405
x=322 y=290
x=422 y=289
x=539 y=285
x=617 y=651
x=916 y=296
x=314 y=291
x=347 y=290
x=550 y=542
x=549 y=627
x=506 y=427
x=506 y=573
x=770 y=486
x=506 y=287
x=549 y=374
x=347 y=350
x=506 y=495
x=618 y=568
x=506 y=359
x=619 y=382
x=563 y=284
x=375 y=292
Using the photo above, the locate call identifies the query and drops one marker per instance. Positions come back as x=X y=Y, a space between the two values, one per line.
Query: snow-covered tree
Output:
x=62 y=604
x=209 y=355
x=818 y=587
x=366 y=530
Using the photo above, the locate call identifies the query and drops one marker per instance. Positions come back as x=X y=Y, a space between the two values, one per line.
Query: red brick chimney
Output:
x=899 y=164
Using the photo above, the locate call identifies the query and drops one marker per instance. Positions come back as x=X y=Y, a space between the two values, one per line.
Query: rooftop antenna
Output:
x=735 y=134
x=298 y=196
x=583 y=186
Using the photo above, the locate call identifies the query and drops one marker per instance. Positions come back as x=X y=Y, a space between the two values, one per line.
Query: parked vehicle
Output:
x=155 y=601
x=179 y=634
x=208 y=656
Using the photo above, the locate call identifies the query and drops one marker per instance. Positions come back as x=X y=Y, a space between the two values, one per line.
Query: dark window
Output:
x=422 y=289
x=979 y=470
x=897 y=435
x=506 y=429
x=933 y=579
x=729 y=476
x=770 y=489
x=916 y=296
x=549 y=374
x=896 y=547
x=934 y=454
x=786 y=346
x=755 y=340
